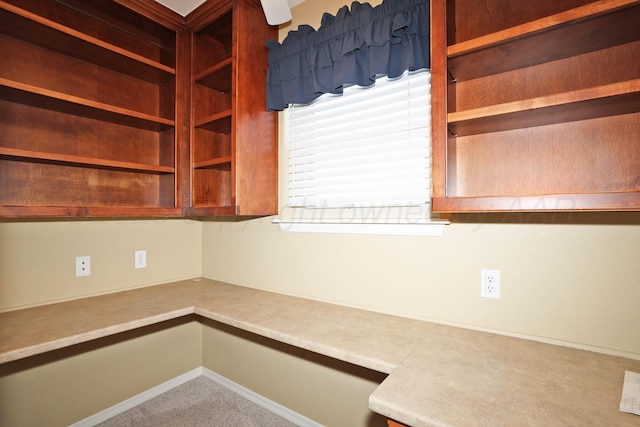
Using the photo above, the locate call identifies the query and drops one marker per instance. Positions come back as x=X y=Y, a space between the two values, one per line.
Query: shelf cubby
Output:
x=217 y=77
x=569 y=33
x=88 y=90
x=608 y=100
x=219 y=123
x=541 y=106
x=52 y=100
x=233 y=140
x=114 y=108
x=33 y=28
x=53 y=158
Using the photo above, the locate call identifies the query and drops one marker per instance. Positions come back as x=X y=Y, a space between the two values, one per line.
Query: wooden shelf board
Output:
x=220 y=122
x=38 y=30
x=222 y=163
x=131 y=19
x=37 y=156
x=622 y=201
x=205 y=209
x=607 y=100
x=217 y=77
x=56 y=101
x=579 y=31
x=88 y=211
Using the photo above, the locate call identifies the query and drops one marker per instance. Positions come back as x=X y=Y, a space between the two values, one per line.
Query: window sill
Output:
x=429 y=229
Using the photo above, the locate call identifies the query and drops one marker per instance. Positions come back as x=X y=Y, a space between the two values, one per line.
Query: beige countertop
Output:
x=439 y=375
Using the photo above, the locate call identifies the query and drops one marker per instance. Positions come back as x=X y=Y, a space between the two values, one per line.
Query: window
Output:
x=361 y=161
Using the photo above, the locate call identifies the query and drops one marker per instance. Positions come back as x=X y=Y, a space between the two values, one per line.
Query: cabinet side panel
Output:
x=439 y=88
x=255 y=127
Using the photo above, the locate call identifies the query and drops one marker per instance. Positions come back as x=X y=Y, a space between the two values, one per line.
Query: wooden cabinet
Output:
x=233 y=167
x=123 y=108
x=536 y=105
x=87 y=110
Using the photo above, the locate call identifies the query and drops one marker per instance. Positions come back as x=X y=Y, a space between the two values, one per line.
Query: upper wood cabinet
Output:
x=233 y=155
x=536 y=105
x=87 y=110
x=124 y=108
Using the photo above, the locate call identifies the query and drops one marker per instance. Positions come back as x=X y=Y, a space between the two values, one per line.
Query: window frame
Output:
x=413 y=220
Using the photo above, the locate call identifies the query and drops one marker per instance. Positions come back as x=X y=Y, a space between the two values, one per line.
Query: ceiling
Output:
x=184 y=7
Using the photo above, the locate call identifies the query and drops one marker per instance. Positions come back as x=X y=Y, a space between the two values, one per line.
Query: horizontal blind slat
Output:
x=368 y=147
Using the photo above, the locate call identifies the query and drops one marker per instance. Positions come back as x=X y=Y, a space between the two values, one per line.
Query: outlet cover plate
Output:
x=83 y=266
x=140 y=259
x=490 y=283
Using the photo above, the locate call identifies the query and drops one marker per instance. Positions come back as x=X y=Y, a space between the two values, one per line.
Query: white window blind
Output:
x=370 y=147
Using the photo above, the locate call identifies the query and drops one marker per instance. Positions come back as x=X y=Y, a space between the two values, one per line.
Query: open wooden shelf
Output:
x=217 y=77
x=30 y=27
x=38 y=156
x=52 y=100
x=233 y=153
x=609 y=100
x=219 y=122
x=223 y=163
x=544 y=203
x=124 y=108
x=90 y=92
x=573 y=32
x=536 y=106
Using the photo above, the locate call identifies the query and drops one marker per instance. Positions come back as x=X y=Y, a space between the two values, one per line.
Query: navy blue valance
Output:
x=353 y=47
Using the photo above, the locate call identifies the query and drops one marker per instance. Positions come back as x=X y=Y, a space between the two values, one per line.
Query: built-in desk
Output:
x=439 y=375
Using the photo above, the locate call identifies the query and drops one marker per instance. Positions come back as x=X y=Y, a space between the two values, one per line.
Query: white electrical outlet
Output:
x=140 y=259
x=490 y=283
x=83 y=266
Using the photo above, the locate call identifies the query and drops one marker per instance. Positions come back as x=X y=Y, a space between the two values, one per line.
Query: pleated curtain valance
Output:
x=351 y=48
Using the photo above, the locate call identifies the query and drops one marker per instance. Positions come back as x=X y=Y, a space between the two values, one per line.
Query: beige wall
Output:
x=572 y=283
x=37 y=266
x=37 y=259
x=576 y=282
x=62 y=387
x=328 y=391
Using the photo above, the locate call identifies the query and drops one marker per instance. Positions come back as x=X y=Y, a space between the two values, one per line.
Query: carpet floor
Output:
x=200 y=402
